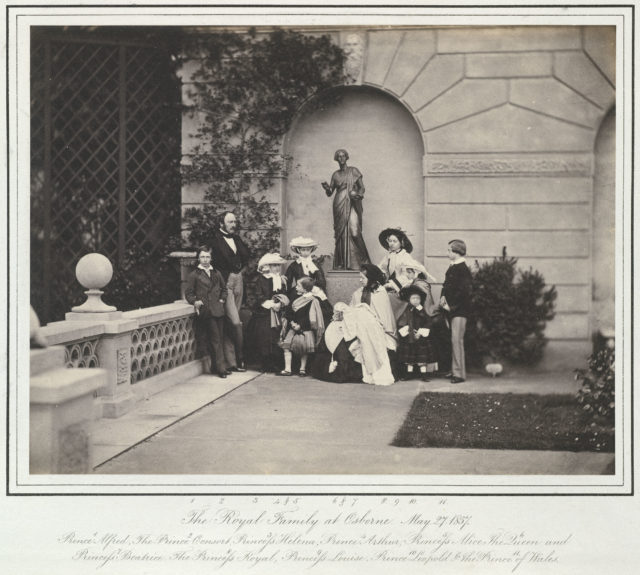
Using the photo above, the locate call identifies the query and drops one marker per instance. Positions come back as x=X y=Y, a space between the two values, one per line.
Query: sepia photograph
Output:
x=279 y=250
x=313 y=250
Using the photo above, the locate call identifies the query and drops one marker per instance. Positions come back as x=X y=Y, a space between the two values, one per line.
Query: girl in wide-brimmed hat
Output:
x=414 y=327
x=418 y=275
x=266 y=321
x=398 y=247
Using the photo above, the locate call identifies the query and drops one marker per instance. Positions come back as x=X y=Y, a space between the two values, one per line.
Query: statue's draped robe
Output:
x=351 y=251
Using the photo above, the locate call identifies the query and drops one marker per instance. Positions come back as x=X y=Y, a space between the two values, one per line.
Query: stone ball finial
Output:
x=94 y=271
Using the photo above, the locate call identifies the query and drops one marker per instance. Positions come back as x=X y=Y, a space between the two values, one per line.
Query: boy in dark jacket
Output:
x=207 y=292
x=456 y=301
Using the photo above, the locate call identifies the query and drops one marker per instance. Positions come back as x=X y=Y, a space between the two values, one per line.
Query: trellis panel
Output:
x=105 y=128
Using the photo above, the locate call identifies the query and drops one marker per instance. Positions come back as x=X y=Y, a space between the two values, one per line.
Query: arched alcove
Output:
x=383 y=142
x=603 y=311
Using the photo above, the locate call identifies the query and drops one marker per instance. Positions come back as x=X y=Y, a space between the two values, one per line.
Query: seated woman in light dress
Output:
x=372 y=292
x=366 y=329
x=376 y=301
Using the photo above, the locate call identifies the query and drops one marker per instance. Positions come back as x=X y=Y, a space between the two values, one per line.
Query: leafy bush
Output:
x=597 y=394
x=511 y=308
x=246 y=91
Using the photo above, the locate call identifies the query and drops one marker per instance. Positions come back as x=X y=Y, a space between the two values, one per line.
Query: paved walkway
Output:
x=114 y=436
x=277 y=425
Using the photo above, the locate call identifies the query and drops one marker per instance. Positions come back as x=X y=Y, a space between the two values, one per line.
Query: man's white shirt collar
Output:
x=231 y=243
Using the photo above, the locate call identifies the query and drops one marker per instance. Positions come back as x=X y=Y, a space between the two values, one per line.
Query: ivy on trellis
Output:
x=247 y=88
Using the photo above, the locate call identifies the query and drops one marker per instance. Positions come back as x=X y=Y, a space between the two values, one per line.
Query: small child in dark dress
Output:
x=414 y=345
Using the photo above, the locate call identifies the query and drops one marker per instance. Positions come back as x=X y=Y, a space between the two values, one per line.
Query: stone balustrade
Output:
x=125 y=356
x=143 y=351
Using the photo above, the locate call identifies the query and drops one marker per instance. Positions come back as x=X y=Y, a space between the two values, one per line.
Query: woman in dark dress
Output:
x=333 y=361
x=265 y=325
x=304 y=265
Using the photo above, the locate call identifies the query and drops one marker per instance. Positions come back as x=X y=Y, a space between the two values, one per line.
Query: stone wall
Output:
x=508 y=118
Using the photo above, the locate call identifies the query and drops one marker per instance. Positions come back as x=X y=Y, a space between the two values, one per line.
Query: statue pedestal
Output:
x=341 y=284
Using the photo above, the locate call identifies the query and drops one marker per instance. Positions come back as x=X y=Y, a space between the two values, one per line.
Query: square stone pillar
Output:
x=114 y=355
x=186 y=261
x=341 y=284
x=61 y=418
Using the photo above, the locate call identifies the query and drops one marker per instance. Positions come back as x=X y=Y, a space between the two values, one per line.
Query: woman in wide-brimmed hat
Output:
x=398 y=247
x=266 y=322
x=304 y=266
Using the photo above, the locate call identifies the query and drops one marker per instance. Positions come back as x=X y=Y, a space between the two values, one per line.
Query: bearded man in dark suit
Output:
x=231 y=256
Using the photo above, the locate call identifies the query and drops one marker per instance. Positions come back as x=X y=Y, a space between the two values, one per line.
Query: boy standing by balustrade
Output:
x=207 y=292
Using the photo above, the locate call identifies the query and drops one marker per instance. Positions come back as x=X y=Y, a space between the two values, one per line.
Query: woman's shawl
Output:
x=276 y=316
x=393 y=265
x=381 y=307
x=307 y=264
x=316 y=319
x=370 y=346
x=429 y=305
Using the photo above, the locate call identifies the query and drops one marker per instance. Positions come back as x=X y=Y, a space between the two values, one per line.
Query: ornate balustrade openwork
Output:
x=144 y=351
x=82 y=353
x=161 y=346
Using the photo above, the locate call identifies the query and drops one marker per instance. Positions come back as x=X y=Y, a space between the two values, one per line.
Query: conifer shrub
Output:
x=511 y=308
